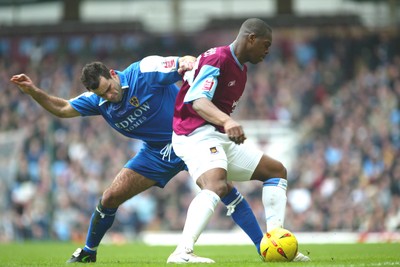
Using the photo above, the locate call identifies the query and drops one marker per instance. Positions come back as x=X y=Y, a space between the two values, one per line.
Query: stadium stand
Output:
x=338 y=87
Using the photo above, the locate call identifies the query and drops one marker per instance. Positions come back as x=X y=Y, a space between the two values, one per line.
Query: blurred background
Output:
x=325 y=102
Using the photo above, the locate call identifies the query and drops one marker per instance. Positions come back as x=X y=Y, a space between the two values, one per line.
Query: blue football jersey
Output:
x=146 y=109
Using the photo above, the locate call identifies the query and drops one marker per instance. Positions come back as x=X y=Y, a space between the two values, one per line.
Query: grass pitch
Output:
x=56 y=254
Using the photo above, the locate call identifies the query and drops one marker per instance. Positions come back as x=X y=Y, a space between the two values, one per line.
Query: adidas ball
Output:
x=278 y=245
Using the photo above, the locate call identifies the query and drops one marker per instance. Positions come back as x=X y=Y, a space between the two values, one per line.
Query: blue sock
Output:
x=243 y=216
x=101 y=221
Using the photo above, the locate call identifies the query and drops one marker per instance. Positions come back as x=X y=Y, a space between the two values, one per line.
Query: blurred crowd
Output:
x=338 y=88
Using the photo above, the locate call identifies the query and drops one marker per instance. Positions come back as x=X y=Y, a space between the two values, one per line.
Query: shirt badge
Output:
x=208 y=84
x=134 y=101
x=213 y=150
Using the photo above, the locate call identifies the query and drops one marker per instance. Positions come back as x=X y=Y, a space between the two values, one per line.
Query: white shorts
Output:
x=207 y=149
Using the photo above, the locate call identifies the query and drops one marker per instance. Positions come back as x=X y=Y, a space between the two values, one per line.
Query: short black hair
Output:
x=257 y=26
x=91 y=74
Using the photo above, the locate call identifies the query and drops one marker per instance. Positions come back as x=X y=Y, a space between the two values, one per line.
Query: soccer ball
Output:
x=278 y=245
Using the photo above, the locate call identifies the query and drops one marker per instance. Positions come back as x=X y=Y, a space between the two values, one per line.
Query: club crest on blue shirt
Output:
x=213 y=150
x=134 y=101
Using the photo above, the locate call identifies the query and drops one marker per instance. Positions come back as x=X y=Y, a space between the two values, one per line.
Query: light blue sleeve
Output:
x=203 y=85
x=160 y=71
x=87 y=104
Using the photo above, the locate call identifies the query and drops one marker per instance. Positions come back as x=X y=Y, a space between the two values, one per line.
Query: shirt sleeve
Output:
x=160 y=71
x=204 y=85
x=87 y=104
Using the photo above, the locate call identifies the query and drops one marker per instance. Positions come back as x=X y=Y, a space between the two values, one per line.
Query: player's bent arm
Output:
x=55 y=105
x=208 y=111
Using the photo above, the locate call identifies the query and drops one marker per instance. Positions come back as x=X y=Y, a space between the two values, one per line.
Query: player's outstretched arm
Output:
x=55 y=105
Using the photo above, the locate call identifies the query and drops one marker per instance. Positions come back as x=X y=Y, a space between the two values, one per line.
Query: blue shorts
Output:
x=157 y=162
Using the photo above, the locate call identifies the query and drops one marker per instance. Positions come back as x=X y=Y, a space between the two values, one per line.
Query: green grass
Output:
x=55 y=254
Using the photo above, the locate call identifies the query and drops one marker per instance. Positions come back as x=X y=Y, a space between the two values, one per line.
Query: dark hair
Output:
x=257 y=26
x=91 y=74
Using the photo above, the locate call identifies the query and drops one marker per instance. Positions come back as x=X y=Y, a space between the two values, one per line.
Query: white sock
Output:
x=274 y=200
x=199 y=213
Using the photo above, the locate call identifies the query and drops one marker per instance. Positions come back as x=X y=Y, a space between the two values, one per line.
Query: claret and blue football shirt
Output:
x=217 y=76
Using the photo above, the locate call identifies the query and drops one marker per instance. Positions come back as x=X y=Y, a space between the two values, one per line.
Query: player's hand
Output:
x=186 y=63
x=23 y=82
x=235 y=132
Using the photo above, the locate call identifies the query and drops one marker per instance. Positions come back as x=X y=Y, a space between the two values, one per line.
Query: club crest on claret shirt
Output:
x=134 y=101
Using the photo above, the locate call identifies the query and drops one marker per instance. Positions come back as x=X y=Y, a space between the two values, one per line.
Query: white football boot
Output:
x=187 y=256
x=301 y=257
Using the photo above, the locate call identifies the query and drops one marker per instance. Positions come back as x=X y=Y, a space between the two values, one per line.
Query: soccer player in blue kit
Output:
x=212 y=143
x=138 y=102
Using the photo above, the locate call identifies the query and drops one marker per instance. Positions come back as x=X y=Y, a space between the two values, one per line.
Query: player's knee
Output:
x=214 y=180
x=266 y=171
x=223 y=190
x=276 y=170
x=282 y=171
x=220 y=188
x=110 y=199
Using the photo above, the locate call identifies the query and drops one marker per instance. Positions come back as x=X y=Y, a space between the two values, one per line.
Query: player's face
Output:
x=109 y=89
x=259 y=49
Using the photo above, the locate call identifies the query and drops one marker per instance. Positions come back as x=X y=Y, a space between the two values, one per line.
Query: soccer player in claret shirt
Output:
x=212 y=143
x=138 y=102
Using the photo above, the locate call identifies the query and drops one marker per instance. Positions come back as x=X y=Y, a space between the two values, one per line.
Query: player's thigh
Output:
x=126 y=184
x=269 y=168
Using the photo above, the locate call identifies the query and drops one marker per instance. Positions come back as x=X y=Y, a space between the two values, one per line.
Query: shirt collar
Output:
x=232 y=48
x=122 y=79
